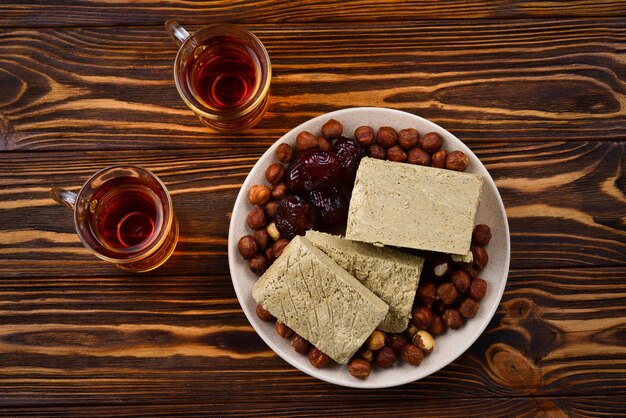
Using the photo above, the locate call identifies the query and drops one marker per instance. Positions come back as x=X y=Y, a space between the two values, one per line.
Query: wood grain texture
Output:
x=112 y=88
x=30 y=13
x=145 y=340
x=586 y=228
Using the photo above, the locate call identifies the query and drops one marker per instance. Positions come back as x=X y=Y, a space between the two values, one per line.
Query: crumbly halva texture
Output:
x=467 y=258
x=412 y=206
x=391 y=275
x=319 y=300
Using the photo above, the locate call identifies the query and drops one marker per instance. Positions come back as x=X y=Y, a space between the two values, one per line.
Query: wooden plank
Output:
x=596 y=406
x=130 y=340
x=29 y=13
x=112 y=88
x=548 y=230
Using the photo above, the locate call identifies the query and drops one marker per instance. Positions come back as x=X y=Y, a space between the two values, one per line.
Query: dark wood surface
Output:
x=536 y=89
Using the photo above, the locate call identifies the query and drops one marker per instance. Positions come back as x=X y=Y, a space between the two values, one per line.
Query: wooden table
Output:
x=537 y=89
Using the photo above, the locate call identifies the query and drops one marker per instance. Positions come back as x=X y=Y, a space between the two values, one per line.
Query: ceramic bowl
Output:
x=449 y=345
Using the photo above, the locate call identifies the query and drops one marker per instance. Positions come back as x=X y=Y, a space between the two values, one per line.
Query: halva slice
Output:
x=319 y=300
x=412 y=206
x=391 y=275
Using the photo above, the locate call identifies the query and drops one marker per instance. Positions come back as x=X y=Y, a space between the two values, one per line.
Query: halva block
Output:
x=391 y=275
x=412 y=206
x=319 y=300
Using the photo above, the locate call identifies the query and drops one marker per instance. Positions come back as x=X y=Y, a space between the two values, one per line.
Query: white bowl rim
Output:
x=319 y=373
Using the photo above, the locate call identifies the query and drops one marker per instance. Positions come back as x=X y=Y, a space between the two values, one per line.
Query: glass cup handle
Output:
x=177 y=32
x=64 y=197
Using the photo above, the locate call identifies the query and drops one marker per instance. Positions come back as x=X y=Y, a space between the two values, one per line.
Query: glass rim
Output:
x=154 y=244
x=249 y=107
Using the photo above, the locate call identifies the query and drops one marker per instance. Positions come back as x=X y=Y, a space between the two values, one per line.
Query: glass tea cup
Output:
x=124 y=215
x=223 y=73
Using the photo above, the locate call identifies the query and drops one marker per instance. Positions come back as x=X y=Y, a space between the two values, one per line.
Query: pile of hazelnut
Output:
x=295 y=200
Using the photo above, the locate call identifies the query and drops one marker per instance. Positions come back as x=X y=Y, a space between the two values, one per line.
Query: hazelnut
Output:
x=247 y=247
x=279 y=247
x=283 y=330
x=359 y=368
x=274 y=173
x=418 y=156
x=457 y=161
x=263 y=314
x=317 y=358
x=461 y=280
x=279 y=191
x=387 y=137
x=269 y=255
x=332 y=129
x=468 y=308
x=258 y=265
x=452 y=318
x=306 y=141
x=396 y=342
x=481 y=235
x=436 y=326
x=261 y=237
x=431 y=142
x=481 y=258
x=438 y=159
x=367 y=355
x=376 y=151
x=478 y=289
x=411 y=331
x=256 y=218
x=409 y=138
x=270 y=209
x=376 y=340
x=299 y=344
x=385 y=357
x=427 y=293
x=259 y=195
x=447 y=293
x=324 y=144
x=396 y=153
x=364 y=135
x=441 y=267
x=412 y=354
x=424 y=341
x=273 y=232
x=439 y=307
x=284 y=152
x=421 y=317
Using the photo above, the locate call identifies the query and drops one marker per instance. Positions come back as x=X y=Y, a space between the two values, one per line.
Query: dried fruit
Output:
x=386 y=137
x=359 y=368
x=349 y=153
x=478 y=289
x=317 y=358
x=306 y=141
x=376 y=151
x=418 y=156
x=481 y=235
x=364 y=135
x=412 y=354
x=284 y=152
x=385 y=357
x=299 y=344
x=263 y=314
x=272 y=231
x=259 y=194
x=331 y=205
x=431 y=142
x=409 y=138
x=397 y=154
x=247 y=247
x=294 y=216
x=332 y=129
x=312 y=170
x=468 y=308
x=256 y=218
x=274 y=173
x=457 y=161
x=452 y=318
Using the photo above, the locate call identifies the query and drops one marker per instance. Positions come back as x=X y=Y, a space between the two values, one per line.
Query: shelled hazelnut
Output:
x=437 y=326
x=364 y=135
x=457 y=161
x=247 y=247
x=409 y=138
x=386 y=137
x=481 y=235
x=274 y=173
x=367 y=355
x=461 y=280
x=481 y=258
x=397 y=154
x=261 y=237
x=258 y=264
x=270 y=209
x=269 y=255
x=478 y=289
x=279 y=191
x=273 y=232
x=283 y=330
x=447 y=293
x=299 y=344
x=256 y=218
x=360 y=368
x=438 y=159
x=259 y=194
x=412 y=355
x=317 y=358
x=421 y=317
x=424 y=341
x=452 y=318
x=468 y=308
x=396 y=342
x=376 y=151
x=284 y=152
x=427 y=293
x=324 y=144
x=332 y=129
x=385 y=357
x=306 y=141
x=418 y=156
x=431 y=142
x=279 y=246
x=376 y=340
x=263 y=314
